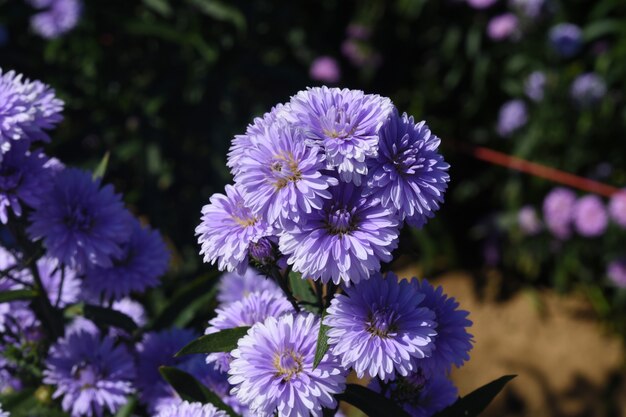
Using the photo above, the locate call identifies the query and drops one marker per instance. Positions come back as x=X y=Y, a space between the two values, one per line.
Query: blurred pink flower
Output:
x=325 y=69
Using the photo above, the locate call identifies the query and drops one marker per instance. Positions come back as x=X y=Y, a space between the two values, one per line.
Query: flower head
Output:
x=61 y=17
x=566 y=39
x=344 y=241
x=617 y=208
x=503 y=26
x=228 y=227
x=80 y=222
x=558 y=211
x=379 y=326
x=535 y=85
x=273 y=371
x=325 y=69
x=186 y=409
x=481 y=4
x=61 y=282
x=281 y=177
x=588 y=89
x=420 y=396
x=344 y=123
x=235 y=287
x=529 y=221
x=409 y=174
x=616 y=272
x=453 y=342
x=92 y=374
x=143 y=260
x=23 y=179
x=590 y=216
x=255 y=308
x=513 y=116
x=27 y=109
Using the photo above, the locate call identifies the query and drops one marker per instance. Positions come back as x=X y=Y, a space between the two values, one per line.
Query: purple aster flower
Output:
x=590 y=216
x=344 y=123
x=273 y=370
x=558 y=209
x=61 y=282
x=80 y=324
x=379 y=326
x=255 y=133
x=23 y=179
x=186 y=409
x=61 y=17
x=481 y=4
x=9 y=382
x=616 y=272
x=27 y=108
x=325 y=69
x=528 y=220
x=158 y=349
x=409 y=175
x=566 y=39
x=132 y=309
x=235 y=287
x=535 y=85
x=503 y=26
x=3 y=413
x=264 y=252
x=344 y=241
x=453 y=342
x=143 y=260
x=513 y=116
x=91 y=373
x=420 y=397
x=228 y=227
x=80 y=222
x=280 y=176
x=617 y=208
x=587 y=90
x=253 y=309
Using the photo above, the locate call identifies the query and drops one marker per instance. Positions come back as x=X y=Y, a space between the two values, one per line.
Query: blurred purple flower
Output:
x=481 y=4
x=325 y=69
x=566 y=39
x=590 y=216
x=587 y=90
x=617 y=208
x=513 y=116
x=616 y=272
x=535 y=85
x=60 y=17
x=528 y=221
x=358 y=31
x=502 y=27
x=186 y=409
x=558 y=211
x=235 y=287
x=531 y=9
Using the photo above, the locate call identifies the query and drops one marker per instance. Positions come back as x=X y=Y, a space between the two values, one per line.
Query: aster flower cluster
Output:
x=322 y=187
x=69 y=240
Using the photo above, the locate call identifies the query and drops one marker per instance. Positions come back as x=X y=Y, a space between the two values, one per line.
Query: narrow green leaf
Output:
x=160 y=6
x=223 y=341
x=475 y=402
x=221 y=11
x=190 y=389
x=7 y=296
x=109 y=317
x=101 y=169
x=301 y=288
x=128 y=408
x=371 y=403
x=322 y=343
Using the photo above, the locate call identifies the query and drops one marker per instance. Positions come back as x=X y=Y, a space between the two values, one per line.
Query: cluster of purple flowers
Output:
x=322 y=186
x=73 y=242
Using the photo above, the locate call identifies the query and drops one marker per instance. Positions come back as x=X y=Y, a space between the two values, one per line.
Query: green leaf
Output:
x=8 y=296
x=160 y=6
x=190 y=389
x=221 y=11
x=101 y=169
x=109 y=317
x=223 y=341
x=128 y=408
x=322 y=343
x=371 y=403
x=475 y=402
x=301 y=288
x=186 y=303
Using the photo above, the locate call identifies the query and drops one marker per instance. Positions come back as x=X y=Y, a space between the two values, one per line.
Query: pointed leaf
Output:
x=301 y=288
x=8 y=296
x=223 y=341
x=475 y=402
x=190 y=389
x=322 y=343
x=109 y=317
x=371 y=403
x=101 y=169
x=128 y=408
